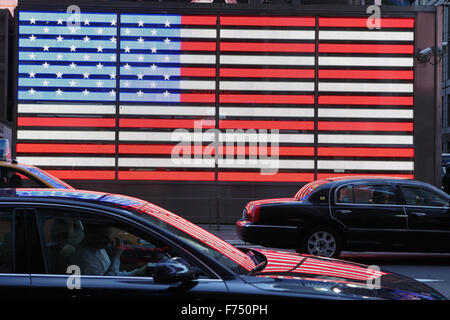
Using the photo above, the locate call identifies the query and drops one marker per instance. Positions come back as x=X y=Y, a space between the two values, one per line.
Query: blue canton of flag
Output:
x=60 y=59
x=155 y=52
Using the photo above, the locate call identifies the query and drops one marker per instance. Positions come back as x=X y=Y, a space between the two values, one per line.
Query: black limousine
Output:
x=330 y=215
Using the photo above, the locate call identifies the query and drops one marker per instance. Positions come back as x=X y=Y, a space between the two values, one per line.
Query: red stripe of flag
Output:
x=287 y=125
x=83 y=174
x=266 y=98
x=166 y=123
x=267 y=47
x=197 y=72
x=65 y=122
x=365 y=126
x=296 y=151
x=362 y=22
x=366 y=74
x=199 y=20
x=198 y=46
x=64 y=148
x=256 y=176
x=162 y=149
x=166 y=175
x=365 y=152
x=266 y=73
x=367 y=48
x=198 y=97
x=281 y=151
x=366 y=100
x=268 y=21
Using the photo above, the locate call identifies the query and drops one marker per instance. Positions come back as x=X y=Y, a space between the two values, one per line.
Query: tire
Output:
x=322 y=241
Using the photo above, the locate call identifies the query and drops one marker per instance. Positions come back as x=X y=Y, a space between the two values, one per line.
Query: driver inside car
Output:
x=91 y=255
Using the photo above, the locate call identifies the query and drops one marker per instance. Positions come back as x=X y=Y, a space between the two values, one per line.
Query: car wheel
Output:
x=324 y=242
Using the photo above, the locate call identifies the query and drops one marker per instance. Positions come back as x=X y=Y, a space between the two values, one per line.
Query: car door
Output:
x=372 y=214
x=14 y=276
x=69 y=276
x=428 y=218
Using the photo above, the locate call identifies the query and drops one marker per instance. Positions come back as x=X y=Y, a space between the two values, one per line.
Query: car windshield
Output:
x=199 y=238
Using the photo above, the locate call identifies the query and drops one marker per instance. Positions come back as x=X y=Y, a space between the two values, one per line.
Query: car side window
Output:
x=6 y=242
x=417 y=196
x=98 y=246
x=345 y=194
x=375 y=194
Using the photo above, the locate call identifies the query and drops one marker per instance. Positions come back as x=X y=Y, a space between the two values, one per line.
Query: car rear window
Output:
x=308 y=189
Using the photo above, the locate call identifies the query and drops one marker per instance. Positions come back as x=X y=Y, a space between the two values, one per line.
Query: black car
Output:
x=328 y=216
x=70 y=244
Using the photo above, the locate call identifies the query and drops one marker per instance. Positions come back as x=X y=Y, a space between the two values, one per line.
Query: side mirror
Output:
x=174 y=270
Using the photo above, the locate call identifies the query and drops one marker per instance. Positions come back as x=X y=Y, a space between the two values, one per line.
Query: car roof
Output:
x=44 y=177
x=346 y=178
x=73 y=195
x=309 y=188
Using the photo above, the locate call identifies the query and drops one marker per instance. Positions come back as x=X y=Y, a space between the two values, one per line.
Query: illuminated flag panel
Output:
x=167 y=97
x=365 y=100
x=66 y=93
x=214 y=98
x=267 y=84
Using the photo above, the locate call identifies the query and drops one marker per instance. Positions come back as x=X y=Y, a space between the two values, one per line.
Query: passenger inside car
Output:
x=65 y=235
x=15 y=181
x=91 y=255
x=345 y=194
x=379 y=197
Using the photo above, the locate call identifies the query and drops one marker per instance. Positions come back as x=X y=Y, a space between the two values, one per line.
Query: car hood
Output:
x=289 y=272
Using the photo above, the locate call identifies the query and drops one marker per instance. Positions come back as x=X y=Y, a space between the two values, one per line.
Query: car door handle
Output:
x=344 y=211
x=418 y=214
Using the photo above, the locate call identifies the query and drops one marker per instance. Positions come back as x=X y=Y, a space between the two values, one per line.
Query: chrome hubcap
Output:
x=321 y=243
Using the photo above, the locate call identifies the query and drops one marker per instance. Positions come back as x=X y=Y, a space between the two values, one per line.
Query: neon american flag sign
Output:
x=100 y=101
